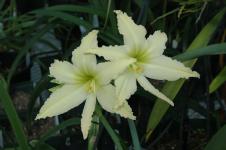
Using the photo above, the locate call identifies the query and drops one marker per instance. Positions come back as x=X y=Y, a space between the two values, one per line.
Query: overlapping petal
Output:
x=125 y=111
x=156 y=43
x=110 y=70
x=89 y=41
x=133 y=34
x=165 y=68
x=125 y=87
x=79 y=58
x=62 y=100
x=62 y=71
x=107 y=99
x=150 y=88
x=86 y=62
x=110 y=52
x=87 y=114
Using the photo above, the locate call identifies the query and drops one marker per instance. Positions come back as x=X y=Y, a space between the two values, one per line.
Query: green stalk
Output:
x=133 y=132
x=109 y=129
x=12 y=116
x=93 y=133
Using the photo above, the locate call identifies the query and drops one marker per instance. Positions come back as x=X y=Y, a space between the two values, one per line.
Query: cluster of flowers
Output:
x=86 y=80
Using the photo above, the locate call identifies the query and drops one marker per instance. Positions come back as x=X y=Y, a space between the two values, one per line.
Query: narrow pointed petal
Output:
x=109 y=52
x=133 y=34
x=150 y=88
x=165 y=68
x=125 y=111
x=62 y=100
x=86 y=62
x=107 y=99
x=125 y=87
x=156 y=43
x=89 y=41
x=87 y=114
x=110 y=70
x=62 y=71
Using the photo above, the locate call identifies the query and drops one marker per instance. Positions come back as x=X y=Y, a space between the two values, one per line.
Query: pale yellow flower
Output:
x=150 y=61
x=85 y=80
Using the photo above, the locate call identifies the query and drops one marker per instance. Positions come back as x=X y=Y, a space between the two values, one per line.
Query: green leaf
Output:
x=74 y=8
x=171 y=89
x=107 y=13
x=218 y=80
x=109 y=129
x=217 y=142
x=65 y=16
x=214 y=49
x=12 y=116
x=133 y=132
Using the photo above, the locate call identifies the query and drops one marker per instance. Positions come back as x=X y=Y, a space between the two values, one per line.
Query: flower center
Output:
x=141 y=55
x=87 y=78
x=136 y=68
x=91 y=87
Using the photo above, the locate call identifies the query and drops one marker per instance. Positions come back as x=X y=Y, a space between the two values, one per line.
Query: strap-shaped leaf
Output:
x=171 y=89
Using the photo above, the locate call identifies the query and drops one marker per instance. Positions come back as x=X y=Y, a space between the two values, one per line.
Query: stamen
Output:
x=137 y=68
x=91 y=87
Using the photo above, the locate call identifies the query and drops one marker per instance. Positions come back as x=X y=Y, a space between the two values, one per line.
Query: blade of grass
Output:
x=214 y=49
x=107 y=14
x=109 y=129
x=165 y=15
x=171 y=89
x=74 y=8
x=218 y=80
x=12 y=116
x=133 y=132
x=65 y=16
x=218 y=140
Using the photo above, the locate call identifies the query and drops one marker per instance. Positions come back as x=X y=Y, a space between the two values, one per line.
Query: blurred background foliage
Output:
x=34 y=33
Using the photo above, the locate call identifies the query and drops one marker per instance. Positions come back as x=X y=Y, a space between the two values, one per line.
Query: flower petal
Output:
x=86 y=62
x=150 y=88
x=62 y=100
x=133 y=34
x=107 y=99
x=87 y=115
x=110 y=70
x=63 y=71
x=125 y=87
x=165 y=68
x=109 y=52
x=88 y=41
x=156 y=43
x=125 y=111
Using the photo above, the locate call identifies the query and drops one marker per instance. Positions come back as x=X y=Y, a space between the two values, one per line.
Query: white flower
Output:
x=150 y=61
x=85 y=80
